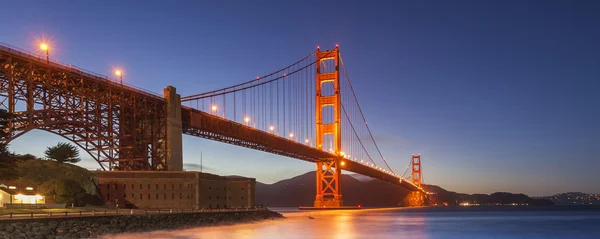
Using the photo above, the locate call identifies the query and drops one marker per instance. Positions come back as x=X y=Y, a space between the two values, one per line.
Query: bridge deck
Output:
x=208 y=126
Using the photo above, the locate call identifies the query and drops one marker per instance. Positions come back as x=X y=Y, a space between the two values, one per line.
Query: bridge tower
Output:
x=415 y=198
x=329 y=190
x=416 y=175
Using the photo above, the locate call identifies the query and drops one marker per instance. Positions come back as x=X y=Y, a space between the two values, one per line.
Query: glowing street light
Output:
x=306 y=141
x=46 y=48
x=214 y=108
x=119 y=74
x=271 y=128
x=343 y=163
x=247 y=119
x=292 y=135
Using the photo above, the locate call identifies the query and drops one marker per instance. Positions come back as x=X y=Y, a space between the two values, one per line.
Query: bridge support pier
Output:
x=174 y=130
x=329 y=188
x=414 y=199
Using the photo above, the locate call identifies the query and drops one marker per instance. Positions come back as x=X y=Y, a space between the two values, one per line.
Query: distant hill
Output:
x=452 y=198
x=300 y=191
x=360 y=190
x=575 y=198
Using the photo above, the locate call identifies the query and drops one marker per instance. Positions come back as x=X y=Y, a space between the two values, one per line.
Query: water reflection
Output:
x=417 y=223
x=367 y=223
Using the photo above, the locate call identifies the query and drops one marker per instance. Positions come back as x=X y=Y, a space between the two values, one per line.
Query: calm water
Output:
x=460 y=222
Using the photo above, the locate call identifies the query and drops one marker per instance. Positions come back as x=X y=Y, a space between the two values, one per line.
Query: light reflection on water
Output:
x=421 y=223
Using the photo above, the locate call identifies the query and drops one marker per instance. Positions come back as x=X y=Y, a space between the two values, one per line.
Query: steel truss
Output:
x=119 y=126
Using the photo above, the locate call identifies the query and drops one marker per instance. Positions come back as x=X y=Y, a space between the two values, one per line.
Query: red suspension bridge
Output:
x=307 y=110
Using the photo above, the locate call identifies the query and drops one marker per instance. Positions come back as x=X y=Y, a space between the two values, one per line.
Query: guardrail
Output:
x=117 y=212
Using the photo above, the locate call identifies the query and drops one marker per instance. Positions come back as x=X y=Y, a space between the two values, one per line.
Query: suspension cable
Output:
x=360 y=141
x=185 y=98
x=362 y=115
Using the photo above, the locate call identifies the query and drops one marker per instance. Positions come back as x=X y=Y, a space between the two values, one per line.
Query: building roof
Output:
x=19 y=191
x=164 y=174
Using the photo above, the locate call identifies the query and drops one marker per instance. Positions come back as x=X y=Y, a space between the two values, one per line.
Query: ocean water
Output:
x=418 y=223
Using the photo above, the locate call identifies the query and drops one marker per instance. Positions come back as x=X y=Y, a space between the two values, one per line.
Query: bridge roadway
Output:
x=205 y=125
x=198 y=123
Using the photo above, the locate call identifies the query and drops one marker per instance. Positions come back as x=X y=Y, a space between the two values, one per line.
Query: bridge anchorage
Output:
x=306 y=111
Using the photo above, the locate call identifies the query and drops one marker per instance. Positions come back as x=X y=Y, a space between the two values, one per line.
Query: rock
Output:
x=86 y=227
x=30 y=234
x=46 y=231
x=84 y=234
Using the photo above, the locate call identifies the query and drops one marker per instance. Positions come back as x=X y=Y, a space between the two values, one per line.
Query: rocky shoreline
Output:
x=95 y=226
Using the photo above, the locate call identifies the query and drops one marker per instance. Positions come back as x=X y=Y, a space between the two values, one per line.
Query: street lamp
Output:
x=46 y=48
x=247 y=119
x=119 y=74
x=214 y=109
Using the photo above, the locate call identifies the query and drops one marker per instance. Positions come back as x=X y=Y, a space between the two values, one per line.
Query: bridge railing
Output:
x=72 y=68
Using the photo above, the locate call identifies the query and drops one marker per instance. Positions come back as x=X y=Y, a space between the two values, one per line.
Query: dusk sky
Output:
x=495 y=95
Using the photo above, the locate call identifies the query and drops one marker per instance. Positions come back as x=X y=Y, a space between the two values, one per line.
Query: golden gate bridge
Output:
x=307 y=110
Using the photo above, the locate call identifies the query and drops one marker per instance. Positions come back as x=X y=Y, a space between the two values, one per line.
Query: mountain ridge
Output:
x=300 y=191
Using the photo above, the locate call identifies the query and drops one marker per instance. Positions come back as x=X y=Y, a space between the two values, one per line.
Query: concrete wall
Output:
x=168 y=189
x=213 y=193
x=240 y=192
x=174 y=130
x=147 y=189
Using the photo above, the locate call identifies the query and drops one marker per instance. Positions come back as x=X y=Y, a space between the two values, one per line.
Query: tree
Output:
x=40 y=171
x=63 y=153
x=69 y=191
x=48 y=188
x=7 y=165
x=7 y=161
x=5 y=117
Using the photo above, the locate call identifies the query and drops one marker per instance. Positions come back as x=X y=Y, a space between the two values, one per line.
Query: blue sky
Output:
x=496 y=95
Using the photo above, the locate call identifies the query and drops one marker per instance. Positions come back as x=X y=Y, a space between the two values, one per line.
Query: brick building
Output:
x=175 y=189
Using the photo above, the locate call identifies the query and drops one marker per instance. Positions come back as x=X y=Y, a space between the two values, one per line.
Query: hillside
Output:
x=575 y=198
x=300 y=190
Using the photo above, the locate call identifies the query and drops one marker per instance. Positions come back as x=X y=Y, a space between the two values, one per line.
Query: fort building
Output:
x=175 y=190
